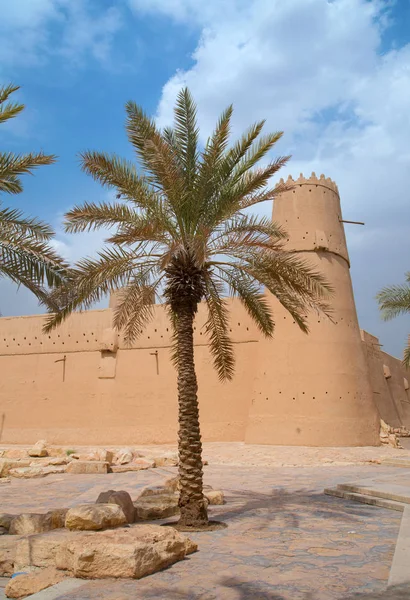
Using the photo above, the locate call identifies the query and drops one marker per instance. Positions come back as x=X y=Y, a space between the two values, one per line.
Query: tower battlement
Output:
x=312 y=180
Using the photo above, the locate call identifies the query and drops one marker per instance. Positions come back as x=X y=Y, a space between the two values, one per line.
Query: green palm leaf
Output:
x=26 y=257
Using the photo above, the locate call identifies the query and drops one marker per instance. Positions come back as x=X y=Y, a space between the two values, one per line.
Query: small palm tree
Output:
x=25 y=254
x=394 y=301
x=180 y=231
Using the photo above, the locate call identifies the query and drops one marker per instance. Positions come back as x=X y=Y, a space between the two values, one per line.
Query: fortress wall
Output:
x=81 y=384
x=389 y=381
x=120 y=398
x=98 y=396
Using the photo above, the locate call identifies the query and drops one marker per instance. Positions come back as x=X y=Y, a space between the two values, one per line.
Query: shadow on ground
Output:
x=287 y=505
x=235 y=589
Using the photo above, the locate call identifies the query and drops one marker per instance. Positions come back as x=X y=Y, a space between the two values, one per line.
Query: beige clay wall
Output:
x=389 y=381
x=115 y=397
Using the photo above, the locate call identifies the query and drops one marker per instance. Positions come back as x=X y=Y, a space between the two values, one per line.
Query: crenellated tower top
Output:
x=309 y=210
x=312 y=180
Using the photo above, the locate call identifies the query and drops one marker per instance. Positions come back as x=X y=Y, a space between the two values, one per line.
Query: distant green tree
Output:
x=394 y=301
x=26 y=257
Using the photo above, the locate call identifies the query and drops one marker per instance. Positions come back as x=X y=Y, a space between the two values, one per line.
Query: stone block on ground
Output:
x=170 y=486
x=16 y=453
x=214 y=497
x=123 y=456
x=8 y=548
x=29 y=523
x=7 y=464
x=156 y=506
x=39 y=449
x=96 y=454
x=5 y=520
x=139 y=464
x=81 y=467
x=57 y=452
x=133 y=552
x=50 y=461
x=123 y=499
x=92 y=517
x=170 y=459
x=36 y=471
x=31 y=583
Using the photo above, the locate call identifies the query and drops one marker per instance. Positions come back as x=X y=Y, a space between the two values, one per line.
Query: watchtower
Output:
x=314 y=390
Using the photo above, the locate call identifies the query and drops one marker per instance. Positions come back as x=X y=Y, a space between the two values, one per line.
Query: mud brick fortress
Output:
x=82 y=385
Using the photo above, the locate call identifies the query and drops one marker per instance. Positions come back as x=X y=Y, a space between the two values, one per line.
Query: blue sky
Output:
x=334 y=75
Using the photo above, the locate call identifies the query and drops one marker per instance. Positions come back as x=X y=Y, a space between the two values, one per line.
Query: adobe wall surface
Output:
x=390 y=383
x=82 y=385
x=128 y=396
x=314 y=389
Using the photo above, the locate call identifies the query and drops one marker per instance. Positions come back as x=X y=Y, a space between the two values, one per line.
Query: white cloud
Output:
x=33 y=31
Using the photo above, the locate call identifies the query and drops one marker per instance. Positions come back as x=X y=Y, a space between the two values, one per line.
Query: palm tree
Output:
x=180 y=231
x=394 y=301
x=26 y=256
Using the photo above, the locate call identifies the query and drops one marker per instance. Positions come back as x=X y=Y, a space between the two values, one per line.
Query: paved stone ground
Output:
x=285 y=540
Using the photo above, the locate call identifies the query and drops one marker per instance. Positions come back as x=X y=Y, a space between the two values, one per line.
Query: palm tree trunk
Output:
x=191 y=500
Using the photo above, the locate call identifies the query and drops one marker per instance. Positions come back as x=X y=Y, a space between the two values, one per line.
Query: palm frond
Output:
x=114 y=172
x=11 y=109
x=91 y=280
x=31 y=259
x=406 y=357
x=251 y=296
x=246 y=231
x=217 y=329
x=13 y=221
x=394 y=301
x=135 y=305
x=91 y=216
x=186 y=135
x=14 y=165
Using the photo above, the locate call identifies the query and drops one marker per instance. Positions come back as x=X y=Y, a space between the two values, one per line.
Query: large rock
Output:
x=5 y=520
x=123 y=499
x=39 y=449
x=50 y=462
x=156 y=506
x=57 y=452
x=31 y=583
x=170 y=459
x=16 y=453
x=8 y=548
x=123 y=456
x=133 y=552
x=38 y=551
x=97 y=454
x=36 y=471
x=214 y=496
x=92 y=517
x=30 y=523
x=82 y=467
x=139 y=464
x=170 y=486
x=7 y=464
x=127 y=552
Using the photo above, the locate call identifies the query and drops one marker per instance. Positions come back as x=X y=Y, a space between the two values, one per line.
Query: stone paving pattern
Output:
x=285 y=539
